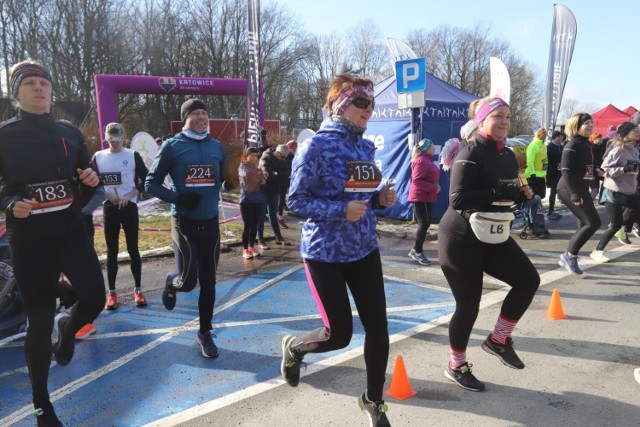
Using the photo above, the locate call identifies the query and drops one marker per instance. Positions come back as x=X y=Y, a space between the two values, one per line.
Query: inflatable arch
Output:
x=108 y=86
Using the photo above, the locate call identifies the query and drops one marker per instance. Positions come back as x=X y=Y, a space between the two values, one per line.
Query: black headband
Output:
x=24 y=71
x=583 y=118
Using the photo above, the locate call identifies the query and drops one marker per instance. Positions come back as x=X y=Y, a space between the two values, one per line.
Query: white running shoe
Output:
x=599 y=256
x=419 y=257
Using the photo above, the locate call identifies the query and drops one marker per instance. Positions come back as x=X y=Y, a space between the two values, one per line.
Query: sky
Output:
x=604 y=58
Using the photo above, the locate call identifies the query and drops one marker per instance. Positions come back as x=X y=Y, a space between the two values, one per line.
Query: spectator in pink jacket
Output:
x=423 y=191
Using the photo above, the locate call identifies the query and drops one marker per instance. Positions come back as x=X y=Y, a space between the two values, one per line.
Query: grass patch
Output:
x=154 y=233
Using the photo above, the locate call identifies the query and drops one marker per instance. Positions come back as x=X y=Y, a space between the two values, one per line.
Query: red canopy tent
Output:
x=609 y=115
x=630 y=110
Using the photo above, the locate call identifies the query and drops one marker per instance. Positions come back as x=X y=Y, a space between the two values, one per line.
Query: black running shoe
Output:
x=66 y=293
x=209 y=348
x=290 y=366
x=504 y=352
x=46 y=417
x=64 y=347
x=375 y=411
x=463 y=377
x=168 y=294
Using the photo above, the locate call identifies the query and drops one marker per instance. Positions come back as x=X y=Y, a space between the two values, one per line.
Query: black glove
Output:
x=506 y=192
x=630 y=167
x=66 y=293
x=226 y=186
x=575 y=198
x=189 y=201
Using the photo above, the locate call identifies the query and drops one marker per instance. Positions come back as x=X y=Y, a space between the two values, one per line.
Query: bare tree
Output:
x=77 y=39
x=367 y=52
x=570 y=106
x=461 y=57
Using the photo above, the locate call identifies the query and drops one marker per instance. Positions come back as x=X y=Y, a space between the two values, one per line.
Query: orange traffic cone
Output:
x=555 y=310
x=400 y=387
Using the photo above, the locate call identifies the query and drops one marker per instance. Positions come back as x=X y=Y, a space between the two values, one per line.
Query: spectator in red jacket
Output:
x=423 y=191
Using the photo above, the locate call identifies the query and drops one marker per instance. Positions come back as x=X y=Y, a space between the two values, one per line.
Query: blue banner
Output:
x=393 y=158
x=445 y=112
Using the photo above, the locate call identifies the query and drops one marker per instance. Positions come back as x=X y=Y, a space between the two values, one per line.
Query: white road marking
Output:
x=82 y=381
x=488 y=300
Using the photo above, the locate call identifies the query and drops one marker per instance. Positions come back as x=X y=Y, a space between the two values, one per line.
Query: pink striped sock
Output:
x=503 y=330
x=456 y=357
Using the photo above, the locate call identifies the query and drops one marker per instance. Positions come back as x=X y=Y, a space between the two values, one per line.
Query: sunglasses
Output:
x=363 y=103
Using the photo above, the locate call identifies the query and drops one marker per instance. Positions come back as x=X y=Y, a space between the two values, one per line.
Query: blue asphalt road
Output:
x=144 y=364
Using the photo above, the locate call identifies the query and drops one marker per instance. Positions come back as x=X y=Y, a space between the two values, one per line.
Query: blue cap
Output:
x=424 y=145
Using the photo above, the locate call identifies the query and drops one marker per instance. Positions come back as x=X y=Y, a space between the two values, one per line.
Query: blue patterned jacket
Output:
x=319 y=176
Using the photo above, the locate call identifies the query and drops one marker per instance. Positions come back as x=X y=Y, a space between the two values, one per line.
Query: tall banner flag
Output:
x=253 y=121
x=500 y=80
x=563 y=38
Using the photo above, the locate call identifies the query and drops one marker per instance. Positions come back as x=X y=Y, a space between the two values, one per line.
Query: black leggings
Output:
x=251 y=212
x=587 y=219
x=422 y=211
x=196 y=245
x=552 y=196
x=618 y=216
x=272 y=201
x=37 y=266
x=128 y=218
x=631 y=213
x=284 y=189
x=329 y=283
x=464 y=259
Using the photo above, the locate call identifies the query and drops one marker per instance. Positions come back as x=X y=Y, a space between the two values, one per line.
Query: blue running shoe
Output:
x=570 y=263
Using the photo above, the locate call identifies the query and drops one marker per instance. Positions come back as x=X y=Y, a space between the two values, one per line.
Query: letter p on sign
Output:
x=410 y=75
x=410 y=72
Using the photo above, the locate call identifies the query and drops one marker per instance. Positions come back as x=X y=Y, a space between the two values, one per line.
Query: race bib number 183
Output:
x=50 y=196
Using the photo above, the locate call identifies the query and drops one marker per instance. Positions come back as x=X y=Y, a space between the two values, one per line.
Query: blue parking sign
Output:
x=411 y=75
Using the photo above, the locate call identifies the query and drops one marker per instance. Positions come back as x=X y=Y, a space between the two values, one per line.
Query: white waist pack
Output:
x=491 y=227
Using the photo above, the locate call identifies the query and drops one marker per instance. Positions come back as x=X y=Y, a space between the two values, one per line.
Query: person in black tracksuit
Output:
x=484 y=178
x=44 y=174
x=578 y=171
x=272 y=163
x=285 y=178
x=554 y=154
x=598 y=149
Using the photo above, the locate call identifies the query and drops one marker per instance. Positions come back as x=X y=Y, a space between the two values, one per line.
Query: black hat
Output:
x=625 y=128
x=191 y=105
x=252 y=150
x=555 y=134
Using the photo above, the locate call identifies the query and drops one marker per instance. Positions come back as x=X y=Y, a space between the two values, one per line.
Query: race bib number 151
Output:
x=364 y=176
